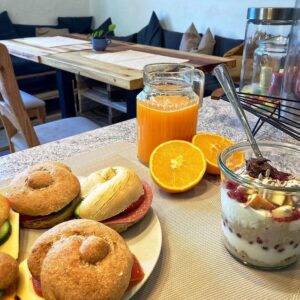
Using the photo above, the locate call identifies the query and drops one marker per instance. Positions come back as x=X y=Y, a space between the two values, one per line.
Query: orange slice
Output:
x=236 y=160
x=211 y=145
x=177 y=166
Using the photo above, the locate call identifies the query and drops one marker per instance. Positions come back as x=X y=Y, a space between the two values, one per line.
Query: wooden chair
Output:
x=19 y=130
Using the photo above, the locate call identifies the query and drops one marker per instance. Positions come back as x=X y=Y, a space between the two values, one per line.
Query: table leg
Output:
x=131 y=103
x=66 y=93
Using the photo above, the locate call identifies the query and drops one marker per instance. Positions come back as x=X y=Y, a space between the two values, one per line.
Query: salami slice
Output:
x=136 y=212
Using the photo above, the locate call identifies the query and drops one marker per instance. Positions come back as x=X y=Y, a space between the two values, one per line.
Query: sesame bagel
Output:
x=81 y=259
x=9 y=271
x=43 y=189
x=4 y=209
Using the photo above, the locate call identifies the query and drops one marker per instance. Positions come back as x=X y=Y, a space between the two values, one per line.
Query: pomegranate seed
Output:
x=230 y=185
x=238 y=195
x=259 y=240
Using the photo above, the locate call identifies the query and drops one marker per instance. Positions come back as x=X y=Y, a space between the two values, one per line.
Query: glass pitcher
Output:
x=167 y=108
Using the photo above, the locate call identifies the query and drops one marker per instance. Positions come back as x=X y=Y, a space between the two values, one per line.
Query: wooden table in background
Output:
x=70 y=61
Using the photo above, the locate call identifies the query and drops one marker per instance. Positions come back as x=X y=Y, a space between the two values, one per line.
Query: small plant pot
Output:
x=100 y=44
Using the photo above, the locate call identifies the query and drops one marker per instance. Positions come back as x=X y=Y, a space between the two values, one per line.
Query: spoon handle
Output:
x=221 y=72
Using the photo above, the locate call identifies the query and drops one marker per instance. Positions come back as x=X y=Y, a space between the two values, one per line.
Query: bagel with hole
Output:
x=44 y=195
x=114 y=196
x=80 y=259
x=9 y=273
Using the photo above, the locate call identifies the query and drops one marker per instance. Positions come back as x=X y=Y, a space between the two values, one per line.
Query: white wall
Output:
x=40 y=12
x=224 y=17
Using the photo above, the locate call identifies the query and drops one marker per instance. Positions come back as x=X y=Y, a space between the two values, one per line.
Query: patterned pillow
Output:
x=206 y=45
x=190 y=39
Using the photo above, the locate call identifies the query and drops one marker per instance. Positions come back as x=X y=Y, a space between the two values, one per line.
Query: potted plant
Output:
x=99 y=38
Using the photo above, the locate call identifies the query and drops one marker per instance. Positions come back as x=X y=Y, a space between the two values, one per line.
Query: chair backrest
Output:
x=13 y=113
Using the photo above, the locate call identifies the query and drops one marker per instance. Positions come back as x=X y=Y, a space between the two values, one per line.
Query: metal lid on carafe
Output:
x=270 y=13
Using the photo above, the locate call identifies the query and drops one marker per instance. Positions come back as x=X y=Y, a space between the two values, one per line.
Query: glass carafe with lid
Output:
x=267 y=32
x=167 y=108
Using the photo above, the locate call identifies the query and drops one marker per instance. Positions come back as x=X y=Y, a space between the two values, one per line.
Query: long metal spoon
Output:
x=222 y=74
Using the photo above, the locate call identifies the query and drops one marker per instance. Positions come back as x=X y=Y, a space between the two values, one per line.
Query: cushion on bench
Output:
x=24 y=66
x=152 y=33
x=104 y=26
x=171 y=39
x=225 y=44
x=76 y=24
x=7 y=29
x=24 y=31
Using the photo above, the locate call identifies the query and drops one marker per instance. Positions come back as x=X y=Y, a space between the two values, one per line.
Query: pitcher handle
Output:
x=198 y=84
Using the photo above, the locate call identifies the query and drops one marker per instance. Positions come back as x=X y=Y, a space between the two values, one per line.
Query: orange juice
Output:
x=165 y=118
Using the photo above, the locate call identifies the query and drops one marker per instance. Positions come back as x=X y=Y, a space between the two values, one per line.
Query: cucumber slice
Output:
x=76 y=211
x=5 y=232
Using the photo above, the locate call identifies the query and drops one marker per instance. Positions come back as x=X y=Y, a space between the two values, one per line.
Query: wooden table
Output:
x=69 y=61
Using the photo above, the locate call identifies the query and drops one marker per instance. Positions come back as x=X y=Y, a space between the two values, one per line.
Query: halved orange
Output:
x=177 y=166
x=211 y=145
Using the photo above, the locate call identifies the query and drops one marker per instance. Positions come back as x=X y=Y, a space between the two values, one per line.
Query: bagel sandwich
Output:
x=114 y=196
x=77 y=259
x=9 y=229
x=44 y=195
x=9 y=274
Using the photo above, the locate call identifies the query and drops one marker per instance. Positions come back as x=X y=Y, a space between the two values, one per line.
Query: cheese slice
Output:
x=11 y=246
x=25 y=289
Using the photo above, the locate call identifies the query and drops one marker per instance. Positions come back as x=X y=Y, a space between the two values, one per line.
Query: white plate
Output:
x=144 y=240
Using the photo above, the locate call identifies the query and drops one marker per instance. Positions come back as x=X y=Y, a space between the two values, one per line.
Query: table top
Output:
x=215 y=116
x=193 y=263
x=76 y=61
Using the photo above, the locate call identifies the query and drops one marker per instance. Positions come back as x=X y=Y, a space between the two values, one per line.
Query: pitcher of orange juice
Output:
x=167 y=108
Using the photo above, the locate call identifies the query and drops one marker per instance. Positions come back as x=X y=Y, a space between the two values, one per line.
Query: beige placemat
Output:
x=193 y=262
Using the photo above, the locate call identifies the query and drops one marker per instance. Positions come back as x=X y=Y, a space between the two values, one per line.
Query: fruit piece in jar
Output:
x=258 y=202
x=284 y=211
x=278 y=199
x=230 y=185
x=239 y=195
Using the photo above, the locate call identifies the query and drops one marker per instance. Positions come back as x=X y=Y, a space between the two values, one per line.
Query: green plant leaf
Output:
x=98 y=33
x=112 y=27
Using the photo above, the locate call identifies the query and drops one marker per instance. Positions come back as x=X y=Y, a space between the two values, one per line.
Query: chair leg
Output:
x=41 y=113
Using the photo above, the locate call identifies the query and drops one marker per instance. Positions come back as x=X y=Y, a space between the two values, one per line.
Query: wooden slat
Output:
x=15 y=113
x=78 y=63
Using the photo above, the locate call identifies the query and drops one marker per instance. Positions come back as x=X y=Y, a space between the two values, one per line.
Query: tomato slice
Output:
x=37 y=287
x=137 y=273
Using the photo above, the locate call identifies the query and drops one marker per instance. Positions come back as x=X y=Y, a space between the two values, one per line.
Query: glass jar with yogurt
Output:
x=261 y=204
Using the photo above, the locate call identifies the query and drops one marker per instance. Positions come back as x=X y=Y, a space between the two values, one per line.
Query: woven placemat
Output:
x=193 y=263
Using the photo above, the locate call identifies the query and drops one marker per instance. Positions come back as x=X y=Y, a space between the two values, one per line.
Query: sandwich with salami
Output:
x=78 y=259
x=114 y=196
x=44 y=195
